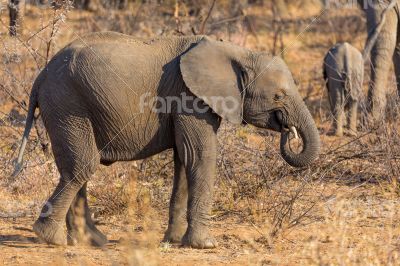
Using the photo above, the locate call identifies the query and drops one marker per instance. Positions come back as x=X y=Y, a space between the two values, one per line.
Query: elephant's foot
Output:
x=91 y=236
x=175 y=233
x=199 y=239
x=50 y=231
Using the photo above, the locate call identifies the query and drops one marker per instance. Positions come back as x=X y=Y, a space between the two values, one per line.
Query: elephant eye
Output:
x=279 y=96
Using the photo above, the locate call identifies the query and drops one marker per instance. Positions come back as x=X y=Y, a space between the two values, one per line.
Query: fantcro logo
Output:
x=364 y=4
x=189 y=104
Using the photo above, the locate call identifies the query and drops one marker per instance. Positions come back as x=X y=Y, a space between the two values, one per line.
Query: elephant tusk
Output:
x=294 y=131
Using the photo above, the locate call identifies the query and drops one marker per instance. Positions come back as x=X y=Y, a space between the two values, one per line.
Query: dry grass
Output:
x=343 y=209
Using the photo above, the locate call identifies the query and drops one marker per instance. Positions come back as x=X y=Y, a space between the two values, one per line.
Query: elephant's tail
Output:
x=33 y=104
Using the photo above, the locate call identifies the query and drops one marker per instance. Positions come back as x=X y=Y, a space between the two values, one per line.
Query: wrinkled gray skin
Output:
x=344 y=74
x=385 y=50
x=89 y=98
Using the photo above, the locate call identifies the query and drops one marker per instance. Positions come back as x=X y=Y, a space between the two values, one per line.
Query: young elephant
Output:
x=344 y=74
x=110 y=97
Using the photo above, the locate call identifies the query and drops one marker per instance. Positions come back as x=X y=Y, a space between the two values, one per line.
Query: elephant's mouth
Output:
x=275 y=121
x=288 y=131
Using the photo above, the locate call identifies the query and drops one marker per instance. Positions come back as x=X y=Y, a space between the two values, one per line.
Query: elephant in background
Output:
x=102 y=99
x=384 y=40
x=343 y=72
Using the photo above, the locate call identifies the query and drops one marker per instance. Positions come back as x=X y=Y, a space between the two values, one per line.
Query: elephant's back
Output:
x=111 y=78
x=355 y=58
x=341 y=58
x=333 y=62
x=351 y=60
x=114 y=74
x=125 y=64
x=335 y=55
x=114 y=69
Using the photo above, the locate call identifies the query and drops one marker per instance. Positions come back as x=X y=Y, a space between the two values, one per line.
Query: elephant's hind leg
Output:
x=352 y=117
x=177 y=224
x=76 y=157
x=80 y=226
x=337 y=108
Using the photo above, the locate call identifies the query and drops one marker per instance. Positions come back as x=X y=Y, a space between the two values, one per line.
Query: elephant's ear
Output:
x=212 y=71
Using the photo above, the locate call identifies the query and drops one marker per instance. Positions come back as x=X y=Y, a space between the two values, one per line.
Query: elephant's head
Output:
x=248 y=87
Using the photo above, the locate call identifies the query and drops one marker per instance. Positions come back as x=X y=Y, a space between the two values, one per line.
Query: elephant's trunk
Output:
x=308 y=132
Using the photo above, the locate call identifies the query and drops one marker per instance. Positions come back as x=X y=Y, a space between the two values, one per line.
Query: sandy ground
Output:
x=19 y=245
x=359 y=224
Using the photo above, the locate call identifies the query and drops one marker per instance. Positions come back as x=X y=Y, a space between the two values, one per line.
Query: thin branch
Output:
x=203 y=24
x=13 y=98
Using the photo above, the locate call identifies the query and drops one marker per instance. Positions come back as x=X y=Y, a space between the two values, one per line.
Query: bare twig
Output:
x=203 y=24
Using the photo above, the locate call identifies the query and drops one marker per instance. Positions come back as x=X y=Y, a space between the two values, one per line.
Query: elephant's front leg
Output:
x=336 y=100
x=201 y=187
x=352 y=117
x=177 y=224
x=196 y=143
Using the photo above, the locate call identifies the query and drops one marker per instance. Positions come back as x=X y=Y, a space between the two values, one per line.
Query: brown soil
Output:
x=351 y=225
